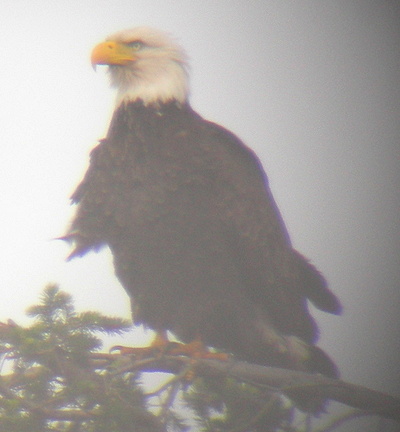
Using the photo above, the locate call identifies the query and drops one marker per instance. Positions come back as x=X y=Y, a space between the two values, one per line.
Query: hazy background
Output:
x=313 y=87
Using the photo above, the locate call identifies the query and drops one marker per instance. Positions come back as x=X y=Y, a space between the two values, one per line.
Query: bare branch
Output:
x=286 y=381
x=290 y=382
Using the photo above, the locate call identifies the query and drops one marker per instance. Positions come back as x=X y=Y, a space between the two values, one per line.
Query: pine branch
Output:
x=288 y=382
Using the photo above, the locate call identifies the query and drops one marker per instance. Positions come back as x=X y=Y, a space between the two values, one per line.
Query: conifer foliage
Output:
x=54 y=378
x=51 y=384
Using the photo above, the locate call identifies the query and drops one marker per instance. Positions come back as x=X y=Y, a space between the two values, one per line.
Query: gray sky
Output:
x=313 y=87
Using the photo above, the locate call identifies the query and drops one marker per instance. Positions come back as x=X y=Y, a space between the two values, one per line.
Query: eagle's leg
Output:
x=161 y=345
x=196 y=350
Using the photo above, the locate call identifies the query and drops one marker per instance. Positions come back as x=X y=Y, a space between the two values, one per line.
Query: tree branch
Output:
x=286 y=381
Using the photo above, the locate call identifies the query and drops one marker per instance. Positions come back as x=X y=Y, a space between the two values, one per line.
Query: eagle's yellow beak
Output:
x=112 y=53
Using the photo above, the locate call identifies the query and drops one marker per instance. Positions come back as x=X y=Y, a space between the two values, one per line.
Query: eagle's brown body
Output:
x=198 y=242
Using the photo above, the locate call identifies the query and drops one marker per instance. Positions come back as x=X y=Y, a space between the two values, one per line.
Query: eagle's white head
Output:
x=144 y=64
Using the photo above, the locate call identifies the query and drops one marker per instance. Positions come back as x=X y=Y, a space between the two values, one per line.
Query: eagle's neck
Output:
x=152 y=85
x=149 y=123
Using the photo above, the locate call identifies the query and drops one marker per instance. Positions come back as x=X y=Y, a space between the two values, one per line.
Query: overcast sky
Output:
x=313 y=87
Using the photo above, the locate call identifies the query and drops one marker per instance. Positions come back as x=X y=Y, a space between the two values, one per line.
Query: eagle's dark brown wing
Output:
x=198 y=242
x=275 y=274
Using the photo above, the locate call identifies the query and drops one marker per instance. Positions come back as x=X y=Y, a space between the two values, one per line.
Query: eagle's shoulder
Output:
x=232 y=150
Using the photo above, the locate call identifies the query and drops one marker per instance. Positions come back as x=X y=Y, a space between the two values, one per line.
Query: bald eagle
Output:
x=197 y=240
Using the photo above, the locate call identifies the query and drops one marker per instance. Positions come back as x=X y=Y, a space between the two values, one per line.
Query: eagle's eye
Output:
x=136 y=45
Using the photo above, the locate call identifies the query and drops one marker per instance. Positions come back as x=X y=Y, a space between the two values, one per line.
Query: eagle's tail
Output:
x=312 y=359
x=320 y=362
